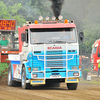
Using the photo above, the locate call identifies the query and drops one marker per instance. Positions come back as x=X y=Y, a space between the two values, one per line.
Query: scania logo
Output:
x=51 y=48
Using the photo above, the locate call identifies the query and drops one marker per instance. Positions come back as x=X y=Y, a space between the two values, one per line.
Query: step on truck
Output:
x=49 y=54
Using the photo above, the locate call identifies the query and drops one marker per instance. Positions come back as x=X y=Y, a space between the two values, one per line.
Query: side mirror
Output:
x=99 y=51
x=81 y=36
x=98 y=54
x=23 y=37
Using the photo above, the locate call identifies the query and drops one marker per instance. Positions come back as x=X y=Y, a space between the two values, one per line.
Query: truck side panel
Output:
x=20 y=30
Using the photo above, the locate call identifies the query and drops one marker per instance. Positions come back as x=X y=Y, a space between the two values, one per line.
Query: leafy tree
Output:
x=91 y=24
x=43 y=7
x=84 y=12
x=11 y=12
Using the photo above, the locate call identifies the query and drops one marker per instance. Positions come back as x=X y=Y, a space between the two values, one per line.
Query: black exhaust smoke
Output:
x=56 y=7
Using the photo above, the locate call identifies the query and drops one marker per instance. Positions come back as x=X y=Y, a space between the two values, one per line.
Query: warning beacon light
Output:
x=66 y=21
x=36 y=22
x=60 y=17
x=40 y=18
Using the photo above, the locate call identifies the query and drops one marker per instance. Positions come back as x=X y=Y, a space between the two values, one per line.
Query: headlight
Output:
x=35 y=69
x=34 y=75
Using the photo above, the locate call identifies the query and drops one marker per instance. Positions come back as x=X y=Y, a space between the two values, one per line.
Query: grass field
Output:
x=91 y=82
x=3 y=68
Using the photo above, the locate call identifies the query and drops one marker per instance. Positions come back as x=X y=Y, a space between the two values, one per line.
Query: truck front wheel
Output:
x=24 y=84
x=10 y=82
x=72 y=86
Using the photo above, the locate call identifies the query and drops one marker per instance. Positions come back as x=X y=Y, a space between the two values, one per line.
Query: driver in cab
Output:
x=4 y=41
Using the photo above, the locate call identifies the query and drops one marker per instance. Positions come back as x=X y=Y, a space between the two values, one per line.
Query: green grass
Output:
x=3 y=67
x=91 y=82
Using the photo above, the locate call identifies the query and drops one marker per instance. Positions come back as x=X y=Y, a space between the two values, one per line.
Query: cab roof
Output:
x=57 y=25
x=96 y=43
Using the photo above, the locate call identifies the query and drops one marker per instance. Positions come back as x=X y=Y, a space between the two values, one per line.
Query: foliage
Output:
x=91 y=24
x=10 y=12
x=3 y=68
x=85 y=71
x=90 y=82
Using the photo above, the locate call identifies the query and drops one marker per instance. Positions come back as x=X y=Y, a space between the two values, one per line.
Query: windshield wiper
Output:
x=60 y=42
x=38 y=43
x=50 y=42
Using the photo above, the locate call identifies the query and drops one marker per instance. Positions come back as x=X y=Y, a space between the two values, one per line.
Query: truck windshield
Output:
x=53 y=35
x=94 y=50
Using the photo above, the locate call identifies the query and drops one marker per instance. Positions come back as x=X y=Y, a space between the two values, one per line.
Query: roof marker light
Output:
x=66 y=21
x=60 y=17
x=40 y=18
x=53 y=18
x=47 y=18
x=36 y=22
x=56 y=19
x=43 y=19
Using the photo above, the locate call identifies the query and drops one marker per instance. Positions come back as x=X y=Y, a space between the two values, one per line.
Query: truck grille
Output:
x=54 y=62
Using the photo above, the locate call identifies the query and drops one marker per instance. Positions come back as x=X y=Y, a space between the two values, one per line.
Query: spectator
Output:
x=4 y=41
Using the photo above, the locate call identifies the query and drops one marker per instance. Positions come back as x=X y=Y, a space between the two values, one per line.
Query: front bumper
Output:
x=42 y=81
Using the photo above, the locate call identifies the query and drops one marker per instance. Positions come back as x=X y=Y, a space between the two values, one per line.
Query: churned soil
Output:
x=83 y=92
x=40 y=92
x=3 y=79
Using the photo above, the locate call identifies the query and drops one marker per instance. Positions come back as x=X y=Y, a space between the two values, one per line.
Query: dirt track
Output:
x=84 y=92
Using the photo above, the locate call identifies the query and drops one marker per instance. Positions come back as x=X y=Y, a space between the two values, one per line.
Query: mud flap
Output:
x=72 y=80
x=37 y=81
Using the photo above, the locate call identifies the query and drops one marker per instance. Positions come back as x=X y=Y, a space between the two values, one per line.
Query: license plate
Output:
x=37 y=81
x=72 y=80
x=55 y=76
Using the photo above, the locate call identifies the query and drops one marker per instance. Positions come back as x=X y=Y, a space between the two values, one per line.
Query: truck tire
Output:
x=24 y=84
x=10 y=81
x=72 y=86
x=53 y=84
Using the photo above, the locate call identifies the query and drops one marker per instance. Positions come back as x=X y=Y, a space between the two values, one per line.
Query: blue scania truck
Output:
x=48 y=54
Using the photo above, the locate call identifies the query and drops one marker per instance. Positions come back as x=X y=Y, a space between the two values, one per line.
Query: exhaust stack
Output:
x=56 y=7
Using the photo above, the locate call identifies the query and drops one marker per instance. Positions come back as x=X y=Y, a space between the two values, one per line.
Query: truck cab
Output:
x=95 y=55
x=49 y=54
